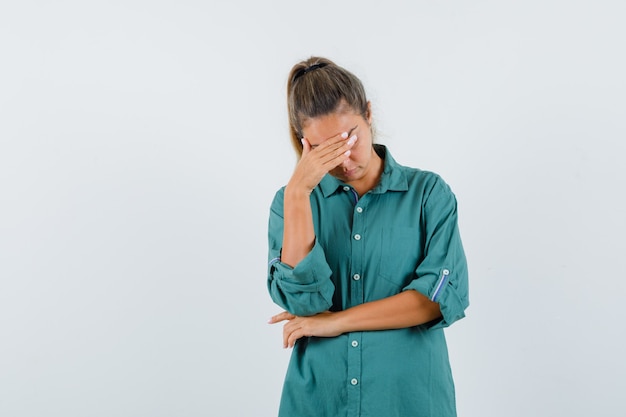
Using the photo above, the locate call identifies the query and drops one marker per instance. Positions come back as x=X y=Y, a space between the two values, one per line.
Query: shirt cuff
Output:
x=306 y=272
x=451 y=304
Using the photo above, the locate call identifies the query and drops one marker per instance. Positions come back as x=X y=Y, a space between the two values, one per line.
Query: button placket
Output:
x=356 y=297
x=358 y=241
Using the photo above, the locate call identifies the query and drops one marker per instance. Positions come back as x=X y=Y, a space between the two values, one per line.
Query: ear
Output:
x=368 y=114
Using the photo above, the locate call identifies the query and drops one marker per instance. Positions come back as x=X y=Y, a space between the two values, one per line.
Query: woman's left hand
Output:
x=321 y=325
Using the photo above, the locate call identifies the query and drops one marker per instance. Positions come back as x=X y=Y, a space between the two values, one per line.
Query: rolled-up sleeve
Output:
x=307 y=288
x=442 y=273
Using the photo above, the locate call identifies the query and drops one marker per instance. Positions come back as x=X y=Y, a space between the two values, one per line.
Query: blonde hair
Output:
x=318 y=87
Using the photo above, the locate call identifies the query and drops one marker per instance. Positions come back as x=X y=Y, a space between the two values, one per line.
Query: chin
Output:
x=351 y=175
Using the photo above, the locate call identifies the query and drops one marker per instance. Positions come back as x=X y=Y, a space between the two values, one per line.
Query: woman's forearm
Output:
x=407 y=309
x=298 y=233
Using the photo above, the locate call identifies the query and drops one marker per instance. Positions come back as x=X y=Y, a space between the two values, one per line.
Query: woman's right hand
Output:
x=317 y=161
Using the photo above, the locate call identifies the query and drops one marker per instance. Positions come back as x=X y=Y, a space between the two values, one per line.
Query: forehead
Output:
x=319 y=129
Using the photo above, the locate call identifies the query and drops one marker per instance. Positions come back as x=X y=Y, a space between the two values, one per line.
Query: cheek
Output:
x=359 y=153
x=363 y=144
x=357 y=149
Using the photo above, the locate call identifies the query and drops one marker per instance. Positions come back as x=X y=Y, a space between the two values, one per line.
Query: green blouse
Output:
x=402 y=235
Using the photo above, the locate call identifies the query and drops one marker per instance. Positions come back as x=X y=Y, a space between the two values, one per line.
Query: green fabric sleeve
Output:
x=306 y=289
x=442 y=273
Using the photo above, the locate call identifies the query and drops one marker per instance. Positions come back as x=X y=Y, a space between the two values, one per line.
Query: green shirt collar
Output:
x=392 y=179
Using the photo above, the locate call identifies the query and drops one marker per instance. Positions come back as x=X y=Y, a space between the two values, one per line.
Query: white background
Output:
x=141 y=143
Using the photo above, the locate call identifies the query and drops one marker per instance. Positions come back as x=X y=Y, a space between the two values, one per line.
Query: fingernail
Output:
x=352 y=140
x=347 y=153
x=344 y=135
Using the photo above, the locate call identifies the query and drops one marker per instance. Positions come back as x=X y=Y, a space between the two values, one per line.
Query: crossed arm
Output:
x=407 y=309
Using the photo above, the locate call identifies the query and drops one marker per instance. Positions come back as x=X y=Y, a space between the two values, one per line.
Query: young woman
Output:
x=365 y=257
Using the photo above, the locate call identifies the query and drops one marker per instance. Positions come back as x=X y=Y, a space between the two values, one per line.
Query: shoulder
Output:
x=427 y=181
x=420 y=175
x=397 y=172
x=428 y=186
x=432 y=180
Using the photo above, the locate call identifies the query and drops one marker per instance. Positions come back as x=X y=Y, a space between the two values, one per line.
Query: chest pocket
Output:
x=401 y=250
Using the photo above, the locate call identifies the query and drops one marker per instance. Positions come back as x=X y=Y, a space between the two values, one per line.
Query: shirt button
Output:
x=346 y=188
x=354 y=381
x=359 y=210
x=355 y=343
x=357 y=237
x=356 y=277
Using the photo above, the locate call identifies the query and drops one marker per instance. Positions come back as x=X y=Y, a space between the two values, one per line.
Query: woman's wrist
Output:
x=341 y=322
x=296 y=191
